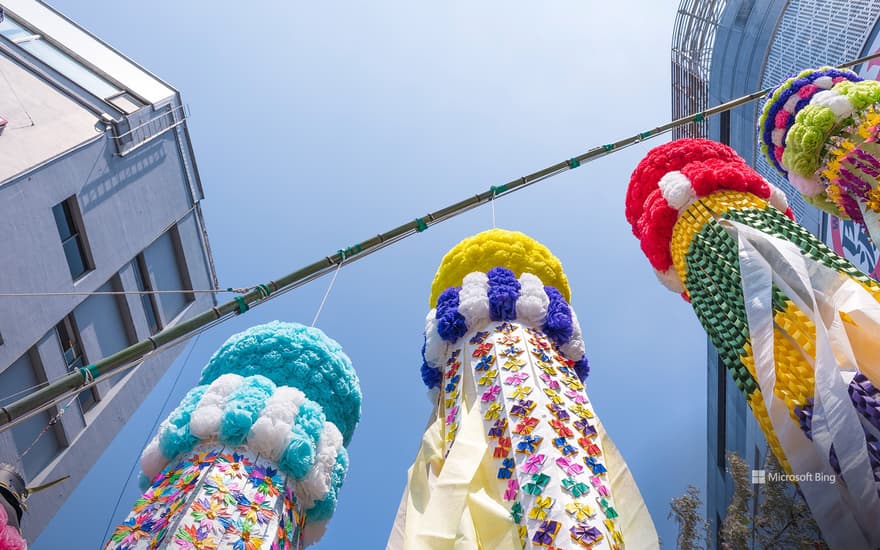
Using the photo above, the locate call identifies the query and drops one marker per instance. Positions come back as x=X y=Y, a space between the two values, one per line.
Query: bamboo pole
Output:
x=47 y=396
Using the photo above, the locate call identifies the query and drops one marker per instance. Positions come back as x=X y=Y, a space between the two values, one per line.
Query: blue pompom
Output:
x=451 y=324
x=503 y=293
x=558 y=325
x=243 y=407
x=294 y=355
x=175 y=437
x=310 y=420
x=298 y=457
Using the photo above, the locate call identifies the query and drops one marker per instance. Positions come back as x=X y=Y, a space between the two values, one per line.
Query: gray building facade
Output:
x=750 y=45
x=99 y=191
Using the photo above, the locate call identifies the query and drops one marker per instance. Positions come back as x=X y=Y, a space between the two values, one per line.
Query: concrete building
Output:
x=99 y=191
x=724 y=49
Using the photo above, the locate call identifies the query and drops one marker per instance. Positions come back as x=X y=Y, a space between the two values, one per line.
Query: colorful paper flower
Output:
x=541 y=508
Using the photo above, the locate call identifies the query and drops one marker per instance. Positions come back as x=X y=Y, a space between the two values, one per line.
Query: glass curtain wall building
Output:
x=99 y=193
x=727 y=49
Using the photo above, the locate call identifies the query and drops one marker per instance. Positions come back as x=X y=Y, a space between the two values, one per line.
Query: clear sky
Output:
x=319 y=124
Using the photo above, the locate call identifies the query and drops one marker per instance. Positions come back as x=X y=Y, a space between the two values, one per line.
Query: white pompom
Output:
x=473 y=300
x=670 y=280
x=676 y=188
x=152 y=459
x=777 y=198
x=532 y=304
x=316 y=484
x=839 y=104
x=824 y=82
x=314 y=531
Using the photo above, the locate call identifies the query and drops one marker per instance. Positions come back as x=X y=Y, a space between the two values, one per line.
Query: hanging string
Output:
x=492 y=203
x=24 y=391
x=156 y=421
x=329 y=287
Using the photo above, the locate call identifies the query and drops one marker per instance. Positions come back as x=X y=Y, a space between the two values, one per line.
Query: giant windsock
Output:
x=254 y=457
x=514 y=456
x=797 y=326
x=820 y=129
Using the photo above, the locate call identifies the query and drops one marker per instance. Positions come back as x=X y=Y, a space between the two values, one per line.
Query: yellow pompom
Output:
x=498 y=247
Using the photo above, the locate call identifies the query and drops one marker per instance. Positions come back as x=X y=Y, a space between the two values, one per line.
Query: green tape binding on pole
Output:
x=698 y=117
x=89 y=372
x=242 y=305
x=264 y=291
x=608 y=146
x=644 y=135
x=420 y=225
x=496 y=189
x=573 y=163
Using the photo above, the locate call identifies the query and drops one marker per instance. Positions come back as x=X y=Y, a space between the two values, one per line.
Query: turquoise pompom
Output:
x=298 y=457
x=175 y=437
x=294 y=355
x=243 y=408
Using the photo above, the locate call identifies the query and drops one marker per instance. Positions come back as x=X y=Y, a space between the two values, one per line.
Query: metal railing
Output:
x=132 y=139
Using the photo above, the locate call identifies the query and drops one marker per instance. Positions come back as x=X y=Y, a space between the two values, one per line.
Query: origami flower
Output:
x=521 y=392
x=512 y=488
x=582 y=411
x=453 y=383
x=134 y=528
x=594 y=465
x=503 y=448
x=541 y=508
x=516 y=379
x=453 y=369
x=485 y=362
x=533 y=463
x=526 y=426
x=505 y=328
x=551 y=383
x=450 y=417
x=509 y=340
x=513 y=364
x=506 y=470
x=491 y=394
x=523 y=408
x=488 y=378
x=579 y=510
x=564 y=447
x=584 y=427
x=529 y=444
x=511 y=351
x=493 y=411
x=482 y=350
x=569 y=466
x=478 y=338
x=537 y=484
x=576 y=488
x=546 y=533
x=554 y=397
x=561 y=428
x=545 y=366
x=497 y=429
x=539 y=343
x=516 y=512
x=586 y=535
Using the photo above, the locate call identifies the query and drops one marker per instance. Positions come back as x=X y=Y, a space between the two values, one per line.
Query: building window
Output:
x=144 y=284
x=21 y=375
x=69 y=222
x=165 y=269
x=71 y=348
x=721 y=427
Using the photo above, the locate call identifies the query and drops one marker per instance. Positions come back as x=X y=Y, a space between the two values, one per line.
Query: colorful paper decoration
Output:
x=504 y=296
x=795 y=324
x=820 y=129
x=254 y=457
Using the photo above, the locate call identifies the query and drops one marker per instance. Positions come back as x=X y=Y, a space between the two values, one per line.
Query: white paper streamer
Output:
x=846 y=513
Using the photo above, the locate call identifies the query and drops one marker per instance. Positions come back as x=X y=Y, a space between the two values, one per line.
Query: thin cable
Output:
x=13 y=293
x=52 y=421
x=327 y=292
x=26 y=390
x=159 y=414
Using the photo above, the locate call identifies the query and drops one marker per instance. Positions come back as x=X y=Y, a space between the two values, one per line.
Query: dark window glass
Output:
x=73 y=357
x=71 y=238
x=151 y=308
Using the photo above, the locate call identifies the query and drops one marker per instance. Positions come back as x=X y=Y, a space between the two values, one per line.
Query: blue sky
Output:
x=317 y=125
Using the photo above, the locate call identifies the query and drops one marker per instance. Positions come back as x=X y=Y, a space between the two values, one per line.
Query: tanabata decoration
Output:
x=514 y=455
x=795 y=325
x=254 y=457
x=820 y=129
x=13 y=493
